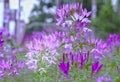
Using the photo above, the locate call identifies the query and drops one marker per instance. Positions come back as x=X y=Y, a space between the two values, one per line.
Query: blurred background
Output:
x=22 y=17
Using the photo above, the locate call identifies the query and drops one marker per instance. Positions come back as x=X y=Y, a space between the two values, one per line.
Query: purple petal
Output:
x=99 y=68
x=94 y=66
x=88 y=14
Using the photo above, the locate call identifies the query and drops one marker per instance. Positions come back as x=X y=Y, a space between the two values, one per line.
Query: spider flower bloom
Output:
x=100 y=50
x=44 y=46
x=43 y=42
x=96 y=67
x=72 y=58
x=70 y=14
x=113 y=40
x=82 y=59
x=10 y=67
x=104 y=78
x=64 y=67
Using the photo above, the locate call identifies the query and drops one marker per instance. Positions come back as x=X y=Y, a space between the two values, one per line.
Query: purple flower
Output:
x=1 y=39
x=21 y=64
x=64 y=67
x=104 y=78
x=82 y=59
x=43 y=42
x=1 y=74
x=113 y=40
x=9 y=66
x=100 y=50
x=73 y=59
x=96 y=67
x=74 y=13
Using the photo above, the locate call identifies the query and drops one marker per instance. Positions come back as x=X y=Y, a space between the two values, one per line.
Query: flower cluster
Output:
x=64 y=67
x=75 y=20
x=43 y=42
x=72 y=14
x=73 y=59
x=9 y=66
x=113 y=40
x=79 y=38
x=43 y=49
x=82 y=50
x=104 y=78
x=100 y=50
x=96 y=68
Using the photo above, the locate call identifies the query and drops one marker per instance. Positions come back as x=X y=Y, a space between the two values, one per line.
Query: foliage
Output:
x=39 y=14
x=107 y=21
x=43 y=12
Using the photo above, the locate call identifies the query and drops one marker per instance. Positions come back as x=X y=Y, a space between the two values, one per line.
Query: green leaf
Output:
x=72 y=11
x=62 y=44
x=113 y=64
x=81 y=46
x=87 y=66
x=117 y=80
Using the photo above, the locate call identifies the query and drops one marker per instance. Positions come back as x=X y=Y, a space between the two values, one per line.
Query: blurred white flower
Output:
x=49 y=20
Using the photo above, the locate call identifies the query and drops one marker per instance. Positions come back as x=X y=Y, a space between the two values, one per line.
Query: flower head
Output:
x=42 y=49
x=10 y=67
x=64 y=67
x=113 y=40
x=96 y=67
x=70 y=14
x=43 y=42
x=104 y=78
x=100 y=50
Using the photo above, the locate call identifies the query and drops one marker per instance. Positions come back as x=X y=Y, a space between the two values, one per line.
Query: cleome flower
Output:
x=96 y=67
x=69 y=14
x=64 y=67
x=9 y=66
x=42 y=49
x=100 y=50
x=72 y=59
x=43 y=42
x=113 y=40
x=104 y=78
